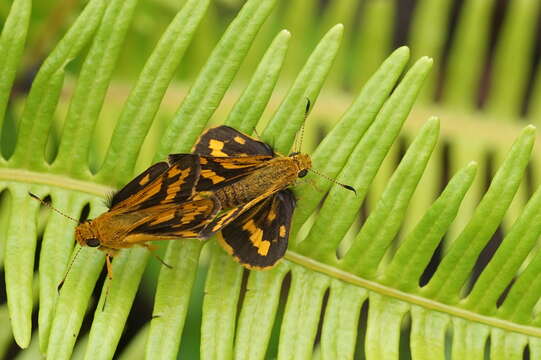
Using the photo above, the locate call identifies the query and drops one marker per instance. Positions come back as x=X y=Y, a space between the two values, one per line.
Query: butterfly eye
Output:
x=302 y=173
x=92 y=242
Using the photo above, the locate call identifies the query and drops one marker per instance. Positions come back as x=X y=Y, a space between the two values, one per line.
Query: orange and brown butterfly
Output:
x=252 y=184
x=159 y=204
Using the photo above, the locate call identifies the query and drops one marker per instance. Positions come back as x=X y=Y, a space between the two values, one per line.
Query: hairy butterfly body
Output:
x=251 y=183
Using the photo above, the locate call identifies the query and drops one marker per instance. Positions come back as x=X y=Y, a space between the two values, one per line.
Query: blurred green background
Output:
x=485 y=85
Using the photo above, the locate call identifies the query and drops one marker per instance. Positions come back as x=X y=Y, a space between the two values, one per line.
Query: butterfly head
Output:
x=85 y=235
x=303 y=162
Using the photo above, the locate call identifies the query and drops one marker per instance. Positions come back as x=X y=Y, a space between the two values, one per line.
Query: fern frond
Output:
x=309 y=306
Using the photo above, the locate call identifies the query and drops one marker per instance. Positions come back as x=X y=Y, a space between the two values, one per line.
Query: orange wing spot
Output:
x=190 y=212
x=203 y=161
x=209 y=174
x=256 y=238
x=282 y=231
x=170 y=196
x=173 y=171
x=234 y=166
x=174 y=188
x=163 y=219
x=223 y=220
x=188 y=218
x=239 y=140
x=272 y=216
x=144 y=180
x=216 y=147
x=264 y=248
x=154 y=189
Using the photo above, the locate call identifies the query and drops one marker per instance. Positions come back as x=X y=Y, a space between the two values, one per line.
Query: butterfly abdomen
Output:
x=277 y=175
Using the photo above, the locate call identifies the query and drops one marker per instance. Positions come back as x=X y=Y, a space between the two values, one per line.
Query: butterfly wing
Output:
x=217 y=172
x=224 y=141
x=184 y=220
x=228 y=155
x=157 y=186
x=137 y=184
x=258 y=237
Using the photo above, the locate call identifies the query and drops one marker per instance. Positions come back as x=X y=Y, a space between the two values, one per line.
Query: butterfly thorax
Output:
x=277 y=174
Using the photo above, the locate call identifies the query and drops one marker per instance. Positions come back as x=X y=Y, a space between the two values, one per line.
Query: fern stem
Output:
x=411 y=298
x=9 y=175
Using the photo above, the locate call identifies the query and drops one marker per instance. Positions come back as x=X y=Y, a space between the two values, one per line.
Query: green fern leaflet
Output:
x=337 y=270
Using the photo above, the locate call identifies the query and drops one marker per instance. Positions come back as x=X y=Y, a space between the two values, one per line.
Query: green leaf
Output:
x=331 y=155
x=373 y=239
x=455 y=268
x=213 y=80
x=45 y=91
x=363 y=162
x=249 y=107
x=144 y=100
x=281 y=130
x=12 y=42
x=343 y=278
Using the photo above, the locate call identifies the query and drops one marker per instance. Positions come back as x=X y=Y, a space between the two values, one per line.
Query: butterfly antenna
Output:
x=162 y=261
x=67 y=271
x=306 y=112
x=52 y=207
x=347 y=187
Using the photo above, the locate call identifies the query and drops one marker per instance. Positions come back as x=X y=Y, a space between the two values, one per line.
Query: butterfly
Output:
x=159 y=204
x=231 y=183
x=251 y=182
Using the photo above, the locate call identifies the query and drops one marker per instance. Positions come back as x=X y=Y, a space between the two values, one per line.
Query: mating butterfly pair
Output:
x=232 y=183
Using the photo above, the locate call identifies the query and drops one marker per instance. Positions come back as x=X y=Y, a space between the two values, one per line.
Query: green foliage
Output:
x=323 y=293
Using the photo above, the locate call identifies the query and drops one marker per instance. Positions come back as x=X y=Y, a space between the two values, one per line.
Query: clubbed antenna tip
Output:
x=351 y=188
x=347 y=187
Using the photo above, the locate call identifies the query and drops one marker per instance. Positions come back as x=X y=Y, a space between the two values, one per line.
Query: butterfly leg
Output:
x=152 y=248
x=310 y=182
x=108 y=258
